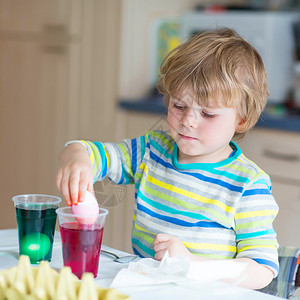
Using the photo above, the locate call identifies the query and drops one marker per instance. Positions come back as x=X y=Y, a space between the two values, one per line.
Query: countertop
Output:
x=274 y=117
x=108 y=269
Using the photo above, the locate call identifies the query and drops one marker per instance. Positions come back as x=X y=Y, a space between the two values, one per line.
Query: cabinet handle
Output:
x=54 y=49
x=281 y=156
x=52 y=28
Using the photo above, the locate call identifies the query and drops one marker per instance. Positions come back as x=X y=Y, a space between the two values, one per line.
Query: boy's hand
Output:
x=164 y=242
x=76 y=173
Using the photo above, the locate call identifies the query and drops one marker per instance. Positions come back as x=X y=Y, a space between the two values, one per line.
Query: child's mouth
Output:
x=185 y=137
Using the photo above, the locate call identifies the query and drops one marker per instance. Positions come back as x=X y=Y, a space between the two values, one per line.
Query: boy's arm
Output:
x=253 y=276
x=254 y=217
x=83 y=162
x=117 y=161
x=255 y=237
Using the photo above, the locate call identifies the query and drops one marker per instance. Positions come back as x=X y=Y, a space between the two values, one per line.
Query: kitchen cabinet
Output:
x=39 y=47
x=34 y=92
x=278 y=154
x=131 y=124
x=19 y=17
x=58 y=71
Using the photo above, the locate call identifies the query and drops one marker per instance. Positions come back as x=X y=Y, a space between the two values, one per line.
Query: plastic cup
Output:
x=81 y=242
x=36 y=218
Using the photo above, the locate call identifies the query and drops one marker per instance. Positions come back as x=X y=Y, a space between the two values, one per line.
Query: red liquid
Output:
x=81 y=247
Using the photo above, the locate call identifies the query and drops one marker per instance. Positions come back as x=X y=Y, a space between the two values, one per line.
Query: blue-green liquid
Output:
x=36 y=233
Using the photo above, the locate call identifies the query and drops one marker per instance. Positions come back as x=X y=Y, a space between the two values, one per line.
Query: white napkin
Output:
x=179 y=270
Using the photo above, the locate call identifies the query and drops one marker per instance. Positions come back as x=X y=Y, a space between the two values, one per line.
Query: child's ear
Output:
x=241 y=125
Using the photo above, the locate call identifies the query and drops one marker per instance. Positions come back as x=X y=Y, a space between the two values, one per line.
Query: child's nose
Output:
x=190 y=118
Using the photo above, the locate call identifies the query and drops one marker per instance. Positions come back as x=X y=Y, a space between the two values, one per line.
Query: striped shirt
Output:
x=218 y=210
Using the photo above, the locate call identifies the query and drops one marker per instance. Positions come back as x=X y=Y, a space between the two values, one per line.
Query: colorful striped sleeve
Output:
x=119 y=162
x=94 y=153
x=254 y=218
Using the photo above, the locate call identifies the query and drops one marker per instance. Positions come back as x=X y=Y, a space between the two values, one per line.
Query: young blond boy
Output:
x=196 y=194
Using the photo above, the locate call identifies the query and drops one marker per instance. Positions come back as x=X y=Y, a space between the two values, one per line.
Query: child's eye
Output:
x=207 y=115
x=178 y=106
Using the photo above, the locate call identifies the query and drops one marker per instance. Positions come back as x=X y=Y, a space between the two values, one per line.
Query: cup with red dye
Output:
x=81 y=239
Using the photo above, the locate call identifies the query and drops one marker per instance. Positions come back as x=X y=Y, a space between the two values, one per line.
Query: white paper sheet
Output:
x=177 y=270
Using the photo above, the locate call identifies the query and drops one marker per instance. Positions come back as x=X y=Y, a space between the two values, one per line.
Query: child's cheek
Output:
x=208 y=132
x=173 y=122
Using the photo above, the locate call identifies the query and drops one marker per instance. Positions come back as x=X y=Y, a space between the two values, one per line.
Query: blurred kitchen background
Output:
x=87 y=69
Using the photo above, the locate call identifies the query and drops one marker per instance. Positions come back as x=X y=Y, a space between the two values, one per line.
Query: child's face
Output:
x=202 y=133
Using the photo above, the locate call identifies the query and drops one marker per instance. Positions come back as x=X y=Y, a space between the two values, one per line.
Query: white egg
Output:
x=86 y=211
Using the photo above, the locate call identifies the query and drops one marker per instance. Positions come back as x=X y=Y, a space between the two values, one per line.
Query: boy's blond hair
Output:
x=218 y=66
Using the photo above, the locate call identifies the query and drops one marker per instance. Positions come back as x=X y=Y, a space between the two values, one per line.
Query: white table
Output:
x=108 y=270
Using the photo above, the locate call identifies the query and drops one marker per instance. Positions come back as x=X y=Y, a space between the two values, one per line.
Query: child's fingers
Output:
x=90 y=187
x=65 y=189
x=74 y=186
x=161 y=237
x=159 y=246
x=63 y=186
x=159 y=255
x=81 y=194
x=83 y=185
x=58 y=179
x=86 y=183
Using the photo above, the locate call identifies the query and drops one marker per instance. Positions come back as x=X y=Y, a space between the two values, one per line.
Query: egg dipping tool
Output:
x=36 y=219
x=123 y=259
x=81 y=241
